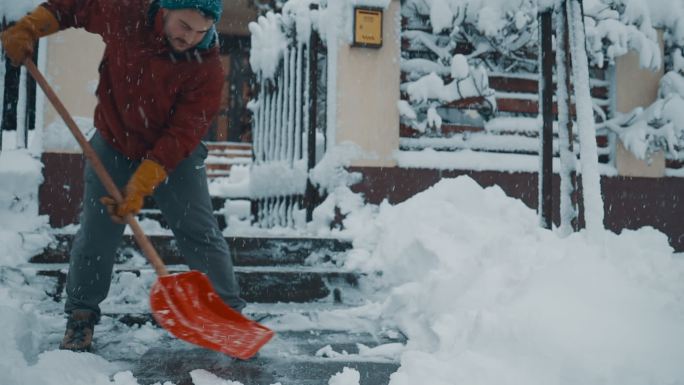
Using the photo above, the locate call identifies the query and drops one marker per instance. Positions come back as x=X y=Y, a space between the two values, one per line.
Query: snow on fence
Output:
x=285 y=56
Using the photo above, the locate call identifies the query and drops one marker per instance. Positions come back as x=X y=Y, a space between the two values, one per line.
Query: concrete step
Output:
x=268 y=269
x=245 y=251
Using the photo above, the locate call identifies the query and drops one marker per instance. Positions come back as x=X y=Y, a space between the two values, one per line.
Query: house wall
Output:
x=368 y=92
x=637 y=87
x=73 y=57
x=237 y=14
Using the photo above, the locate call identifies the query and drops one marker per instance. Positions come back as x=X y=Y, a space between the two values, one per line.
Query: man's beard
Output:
x=185 y=47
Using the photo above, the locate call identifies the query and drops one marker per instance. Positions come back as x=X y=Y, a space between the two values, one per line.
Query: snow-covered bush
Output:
x=614 y=27
x=660 y=126
x=494 y=32
x=430 y=92
x=449 y=46
x=503 y=35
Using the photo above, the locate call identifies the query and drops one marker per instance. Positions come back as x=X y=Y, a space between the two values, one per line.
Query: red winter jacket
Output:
x=152 y=103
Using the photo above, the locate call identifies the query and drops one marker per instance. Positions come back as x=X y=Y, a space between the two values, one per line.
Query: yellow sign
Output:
x=368 y=27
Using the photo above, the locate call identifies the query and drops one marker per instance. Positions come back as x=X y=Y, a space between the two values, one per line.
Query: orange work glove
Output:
x=143 y=182
x=20 y=39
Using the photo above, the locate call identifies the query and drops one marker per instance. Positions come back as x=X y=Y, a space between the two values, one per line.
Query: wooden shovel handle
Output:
x=100 y=170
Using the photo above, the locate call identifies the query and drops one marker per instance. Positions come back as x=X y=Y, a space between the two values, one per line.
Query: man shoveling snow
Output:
x=159 y=90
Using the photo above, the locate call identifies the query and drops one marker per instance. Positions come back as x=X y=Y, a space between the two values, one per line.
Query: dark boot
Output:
x=79 y=331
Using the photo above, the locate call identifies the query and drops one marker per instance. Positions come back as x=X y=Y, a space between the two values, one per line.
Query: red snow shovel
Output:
x=185 y=304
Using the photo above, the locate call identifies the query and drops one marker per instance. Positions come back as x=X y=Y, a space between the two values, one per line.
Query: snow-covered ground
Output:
x=483 y=294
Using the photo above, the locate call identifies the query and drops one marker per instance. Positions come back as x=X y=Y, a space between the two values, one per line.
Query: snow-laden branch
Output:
x=430 y=92
x=660 y=126
x=508 y=29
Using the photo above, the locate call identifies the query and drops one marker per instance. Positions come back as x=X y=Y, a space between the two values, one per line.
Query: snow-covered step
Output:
x=224 y=155
x=313 y=341
x=246 y=251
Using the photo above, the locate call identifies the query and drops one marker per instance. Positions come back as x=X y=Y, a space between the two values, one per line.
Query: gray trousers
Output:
x=185 y=204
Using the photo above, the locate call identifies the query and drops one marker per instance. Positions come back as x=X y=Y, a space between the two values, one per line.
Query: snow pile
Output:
x=23 y=235
x=236 y=185
x=21 y=175
x=331 y=171
x=24 y=330
x=202 y=377
x=486 y=296
x=27 y=325
x=347 y=376
x=278 y=179
x=332 y=177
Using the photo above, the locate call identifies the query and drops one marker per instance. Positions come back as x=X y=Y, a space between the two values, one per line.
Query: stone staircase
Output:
x=293 y=285
x=224 y=155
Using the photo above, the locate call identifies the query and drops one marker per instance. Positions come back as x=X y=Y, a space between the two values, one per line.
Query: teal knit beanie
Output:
x=213 y=8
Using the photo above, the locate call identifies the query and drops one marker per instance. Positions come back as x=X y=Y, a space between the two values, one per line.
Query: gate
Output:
x=286 y=117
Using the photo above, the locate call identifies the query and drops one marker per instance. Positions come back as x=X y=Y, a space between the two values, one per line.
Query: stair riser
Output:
x=255 y=287
x=244 y=251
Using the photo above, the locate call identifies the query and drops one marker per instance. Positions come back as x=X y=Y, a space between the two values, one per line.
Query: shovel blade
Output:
x=187 y=306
